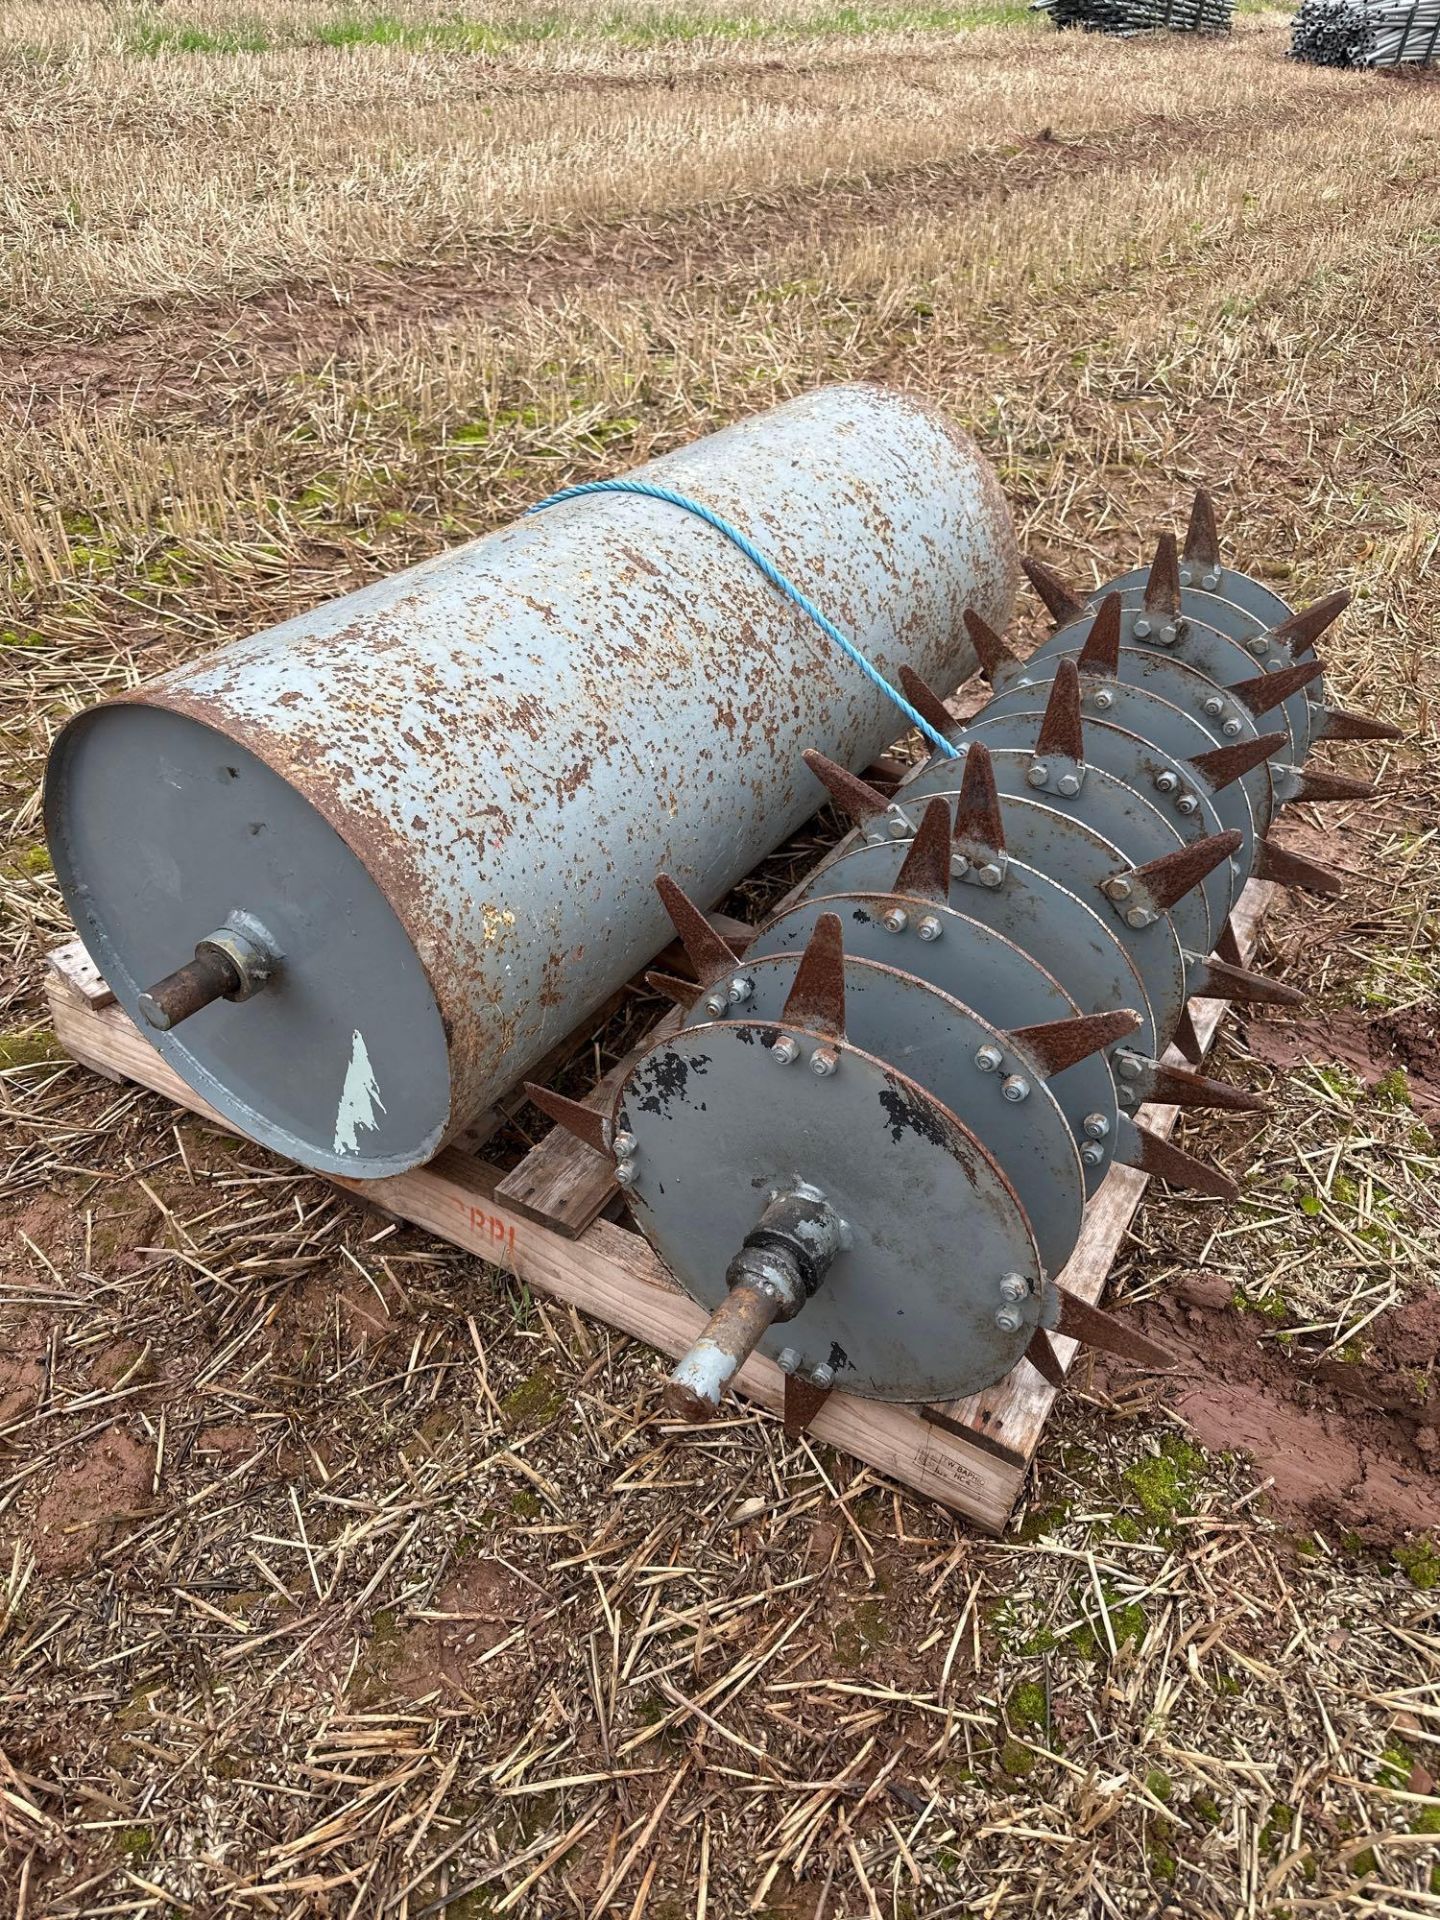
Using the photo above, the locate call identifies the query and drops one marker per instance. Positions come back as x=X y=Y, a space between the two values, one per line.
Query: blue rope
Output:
x=772 y=573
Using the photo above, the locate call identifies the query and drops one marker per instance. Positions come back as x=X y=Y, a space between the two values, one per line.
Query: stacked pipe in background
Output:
x=1352 y=33
x=1127 y=17
x=870 y=1145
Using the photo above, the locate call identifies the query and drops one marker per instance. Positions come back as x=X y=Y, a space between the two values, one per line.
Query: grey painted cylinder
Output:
x=445 y=797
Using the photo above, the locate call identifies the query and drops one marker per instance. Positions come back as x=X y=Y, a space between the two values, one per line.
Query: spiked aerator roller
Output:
x=870 y=1144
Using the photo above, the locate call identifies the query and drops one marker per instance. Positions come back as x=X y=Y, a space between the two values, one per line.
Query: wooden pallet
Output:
x=541 y=1220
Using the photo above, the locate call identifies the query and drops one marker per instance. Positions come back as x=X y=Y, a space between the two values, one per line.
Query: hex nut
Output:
x=989 y=1059
x=1008 y=1320
x=1015 y=1087
x=929 y=926
x=786 y=1050
x=895 y=920
x=824 y=1061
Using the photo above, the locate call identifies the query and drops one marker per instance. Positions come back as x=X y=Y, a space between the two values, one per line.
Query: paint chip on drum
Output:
x=359 y=1098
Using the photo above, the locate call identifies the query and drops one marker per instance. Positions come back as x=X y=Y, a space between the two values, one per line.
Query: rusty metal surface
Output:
x=509 y=741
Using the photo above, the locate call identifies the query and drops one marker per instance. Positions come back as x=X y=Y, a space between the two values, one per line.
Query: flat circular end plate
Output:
x=160 y=828
x=908 y=1310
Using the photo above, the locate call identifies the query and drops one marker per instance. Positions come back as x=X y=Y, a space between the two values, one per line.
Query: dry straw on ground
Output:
x=342 y=1577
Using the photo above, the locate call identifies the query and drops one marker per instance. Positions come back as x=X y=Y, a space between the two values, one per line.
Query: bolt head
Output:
x=1117 y=887
x=786 y=1050
x=1169 y=630
x=1008 y=1320
x=1142 y=627
x=1184 y=576
x=1096 y=1126
x=1014 y=1286
x=929 y=927
x=989 y=876
x=989 y=1059
x=1210 y=581
x=623 y=1146
x=1231 y=728
x=1015 y=1087
x=1092 y=1153
x=1038 y=774
x=895 y=920
x=788 y=1359
x=899 y=829
x=1187 y=804
x=1129 y=1069
x=1137 y=917
x=1068 y=784
x=823 y=1061
x=1259 y=645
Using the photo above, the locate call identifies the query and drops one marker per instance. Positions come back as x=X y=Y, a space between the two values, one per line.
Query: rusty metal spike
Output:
x=1338 y=724
x=1061 y=731
x=990 y=650
x=709 y=955
x=850 y=793
x=1222 y=765
x=928 y=704
x=816 y=1000
x=1217 y=980
x=1227 y=947
x=1321 y=784
x=1299 y=633
x=1058 y=1044
x=1178 y=1087
x=1267 y=690
x=1186 y=1040
x=1043 y=1357
x=588 y=1124
x=1137 y=1147
x=1170 y=877
x=977 y=812
x=1202 y=536
x=1063 y=603
x=684 y=993
x=1162 y=584
x=1287 y=869
x=1095 y=1328
x=1101 y=652
x=925 y=873
x=803 y=1400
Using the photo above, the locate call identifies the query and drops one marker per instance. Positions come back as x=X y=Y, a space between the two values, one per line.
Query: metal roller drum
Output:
x=355 y=875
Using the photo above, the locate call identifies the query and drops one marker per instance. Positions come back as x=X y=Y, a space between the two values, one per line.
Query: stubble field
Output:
x=341 y=1576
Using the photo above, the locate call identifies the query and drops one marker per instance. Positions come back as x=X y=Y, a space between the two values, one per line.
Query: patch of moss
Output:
x=134 y=1842
x=1026 y=1705
x=524 y=1504
x=535 y=1402
x=35 y=1048
x=1393 y=1089
x=1161 y=1856
x=1363 y=1863
x=1205 y=1808
x=1278 y=1823
x=1271 y=1306
x=1427 y=1820
x=1396 y=1765
x=1420 y=1563
x=1038 y=1522
x=1165 y=1484
x=1016 y=1761
x=1159 y=1785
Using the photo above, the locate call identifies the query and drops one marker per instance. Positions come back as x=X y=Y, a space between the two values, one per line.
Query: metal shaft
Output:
x=199 y=983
